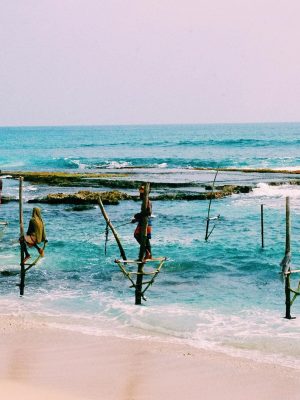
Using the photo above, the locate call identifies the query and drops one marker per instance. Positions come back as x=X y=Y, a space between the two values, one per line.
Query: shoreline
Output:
x=40 y=360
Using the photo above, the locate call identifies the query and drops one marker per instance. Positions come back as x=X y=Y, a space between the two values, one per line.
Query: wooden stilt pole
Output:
x=288 y=256
x=22 y=272
x=262 y=225
x=287 y=297
x=139 y=278
x=122 y=251
x=288 y=227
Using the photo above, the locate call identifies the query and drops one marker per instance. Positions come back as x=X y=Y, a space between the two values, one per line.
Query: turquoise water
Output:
x=242 y=145
x=225 y=294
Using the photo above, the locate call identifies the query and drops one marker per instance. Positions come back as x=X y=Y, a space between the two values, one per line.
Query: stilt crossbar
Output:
x=32 y=264
x=296 y=292
x=154 y=272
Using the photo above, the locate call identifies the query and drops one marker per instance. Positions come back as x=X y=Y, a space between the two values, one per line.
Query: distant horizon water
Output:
x=128 y=124
x=176 y=146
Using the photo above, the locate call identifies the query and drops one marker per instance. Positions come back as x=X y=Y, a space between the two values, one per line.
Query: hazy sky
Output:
x=149 y=61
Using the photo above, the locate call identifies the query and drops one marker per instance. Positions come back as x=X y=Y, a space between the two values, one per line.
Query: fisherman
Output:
x=138 y=230
x=35 y=234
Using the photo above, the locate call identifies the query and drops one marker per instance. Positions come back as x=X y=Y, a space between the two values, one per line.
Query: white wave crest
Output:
x=79 y=164
x=117 y=164
x=281 y=191
x=162 y=165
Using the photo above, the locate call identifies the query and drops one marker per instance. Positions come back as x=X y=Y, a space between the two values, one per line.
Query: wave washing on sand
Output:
x=254 y=334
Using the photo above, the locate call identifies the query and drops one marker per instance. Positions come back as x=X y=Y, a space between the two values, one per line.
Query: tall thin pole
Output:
x=108 y=222
x=22 y=238
x=139 y=278
x=288 y=226
x=288 y=256
x=207 y=234
x=262 y=225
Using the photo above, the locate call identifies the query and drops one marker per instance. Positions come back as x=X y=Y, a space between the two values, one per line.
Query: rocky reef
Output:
x=64 y=179
x=83 y=197
x=7 y=199
x=114 y=197
x=110 y=180
x=164 y=191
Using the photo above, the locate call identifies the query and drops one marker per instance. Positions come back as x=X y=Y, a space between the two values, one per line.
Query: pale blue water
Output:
x=249 y=145
x=225 y=294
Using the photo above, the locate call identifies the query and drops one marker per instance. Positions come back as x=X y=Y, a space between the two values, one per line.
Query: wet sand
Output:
x=41 y=362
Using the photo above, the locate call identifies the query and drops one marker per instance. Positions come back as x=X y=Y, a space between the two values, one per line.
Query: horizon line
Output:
x=149 y=124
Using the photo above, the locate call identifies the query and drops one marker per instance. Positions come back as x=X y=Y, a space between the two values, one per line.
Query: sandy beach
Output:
x=38 y=361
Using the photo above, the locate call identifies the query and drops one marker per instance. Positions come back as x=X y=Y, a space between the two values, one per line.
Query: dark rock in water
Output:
x=219 y=193
x=67 y=179
x=7 y=199
x=230 y=189
x=208 y=187
x=244 y=189
x=83 y=197
x=81 y=207
x=276 y=183
x=294 y=182
x=191 y=196
x=282 y=183
x=182 y=196
x=9 y=273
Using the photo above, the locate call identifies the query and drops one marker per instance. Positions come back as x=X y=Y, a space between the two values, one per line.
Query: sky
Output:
x=99 y=62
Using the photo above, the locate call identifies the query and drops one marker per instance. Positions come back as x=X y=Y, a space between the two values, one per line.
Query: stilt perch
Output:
x=286 y=266
x=26 y=266
x=126 y=265
x=22 y=237
x=3 y=224
x=139 y=278
x=262 y=225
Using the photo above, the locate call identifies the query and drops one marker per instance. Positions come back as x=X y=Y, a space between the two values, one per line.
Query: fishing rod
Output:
x=118 y=226
x=107 y=233
x=127 y=223
x=208 y=219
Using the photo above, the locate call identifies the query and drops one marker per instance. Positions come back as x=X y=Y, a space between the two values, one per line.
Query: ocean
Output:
x=225 y=294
